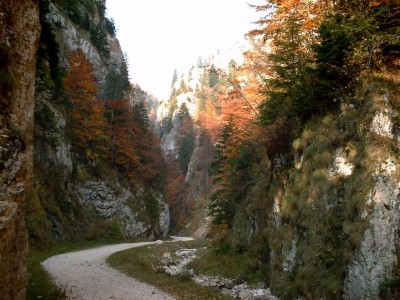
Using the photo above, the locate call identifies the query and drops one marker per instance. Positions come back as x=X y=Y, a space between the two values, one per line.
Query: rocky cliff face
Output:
x=331 y=207
x=71 y=37
x=74 y=198
x=324 y=211
x=19 y=38
x=130 y=209
x=375 y=259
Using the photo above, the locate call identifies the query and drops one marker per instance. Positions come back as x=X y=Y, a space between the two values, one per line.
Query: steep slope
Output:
x=322 y=209
x=187 y=123
x=299 y=151
x=176 y=124
x=327 y=212
x=79 y=193
x=19 y=39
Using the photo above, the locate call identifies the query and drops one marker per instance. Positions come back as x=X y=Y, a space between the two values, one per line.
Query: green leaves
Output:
x=290 y=89
x=371 y=27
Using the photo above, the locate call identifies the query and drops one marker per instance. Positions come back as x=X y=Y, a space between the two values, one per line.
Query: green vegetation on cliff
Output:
x=299 y=148
x=91 y=132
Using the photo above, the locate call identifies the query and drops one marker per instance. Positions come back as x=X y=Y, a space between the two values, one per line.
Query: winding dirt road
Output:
x=85 y=275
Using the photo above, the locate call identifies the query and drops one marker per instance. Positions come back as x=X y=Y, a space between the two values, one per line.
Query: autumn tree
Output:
x=180 y=199
x=123 y=143
x=315 y=48
x=209 y=125
x=88 y=125
x=288 y=32
x=134 y=149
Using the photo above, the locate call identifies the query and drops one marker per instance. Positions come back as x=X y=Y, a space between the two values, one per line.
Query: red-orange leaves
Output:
x=134 y=149
x=122 y=134
x=180 y=200
x=88 y=124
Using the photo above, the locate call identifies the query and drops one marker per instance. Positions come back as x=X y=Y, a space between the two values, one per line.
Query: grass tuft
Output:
x=144 y=264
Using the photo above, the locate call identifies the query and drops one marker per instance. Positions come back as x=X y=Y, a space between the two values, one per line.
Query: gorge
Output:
x=285 y=157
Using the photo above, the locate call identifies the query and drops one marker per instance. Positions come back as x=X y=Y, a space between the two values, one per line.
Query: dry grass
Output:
x=143 y=263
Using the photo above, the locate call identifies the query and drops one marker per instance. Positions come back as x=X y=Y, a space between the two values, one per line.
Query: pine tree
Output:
x=222 y=205
x=174 y=78
x=186 y=138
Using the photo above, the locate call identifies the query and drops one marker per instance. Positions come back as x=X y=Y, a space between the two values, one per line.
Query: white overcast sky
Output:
x=162 y=35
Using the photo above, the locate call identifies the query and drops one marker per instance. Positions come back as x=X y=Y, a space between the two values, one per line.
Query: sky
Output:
x=159 y=36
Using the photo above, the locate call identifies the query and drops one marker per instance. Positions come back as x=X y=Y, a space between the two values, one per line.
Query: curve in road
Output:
x=85 y=275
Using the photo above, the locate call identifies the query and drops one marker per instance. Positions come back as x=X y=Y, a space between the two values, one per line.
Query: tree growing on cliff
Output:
x=88 y=125
x=186 y=138
x=134 y=149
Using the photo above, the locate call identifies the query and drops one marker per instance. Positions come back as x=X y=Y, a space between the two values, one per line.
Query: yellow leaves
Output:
x=91 y=155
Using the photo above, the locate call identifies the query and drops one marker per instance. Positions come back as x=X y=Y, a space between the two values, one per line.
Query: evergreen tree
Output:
x=174 y=78
x=213 y=76
x=98 y=36
x=200 y=63
x=110 y=26
x=117 y=85
x=183 y=87
x=290 y=88
x=187 y=138
x=222 y=206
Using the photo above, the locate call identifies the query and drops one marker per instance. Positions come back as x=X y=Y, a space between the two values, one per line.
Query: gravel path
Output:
x=85 y=275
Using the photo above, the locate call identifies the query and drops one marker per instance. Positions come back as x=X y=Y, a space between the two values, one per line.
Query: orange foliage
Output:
x=210 y=121
x=306 y=13
x=123 y=142
x=180 y=200
x=123 y=130
x=134 y=148
x=88 y=124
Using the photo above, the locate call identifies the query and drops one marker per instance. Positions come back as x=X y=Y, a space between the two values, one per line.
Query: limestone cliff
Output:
x=375 y=260
x=19 y=37
x=320 y=217
x=71 y=197
x=328 y=211
x=176 y=123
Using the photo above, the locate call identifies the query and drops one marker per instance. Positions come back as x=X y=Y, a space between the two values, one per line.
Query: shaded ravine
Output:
x=85 y=275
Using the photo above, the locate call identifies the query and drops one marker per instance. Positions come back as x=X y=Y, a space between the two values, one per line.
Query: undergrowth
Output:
x=223 y=260
x=390 y=288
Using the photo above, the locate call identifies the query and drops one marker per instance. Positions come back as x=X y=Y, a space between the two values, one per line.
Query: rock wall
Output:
x=328 y=221
x=374 y=260
x=129 y=209
x=19 y=38
x=71 y=37
x=66 y=187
